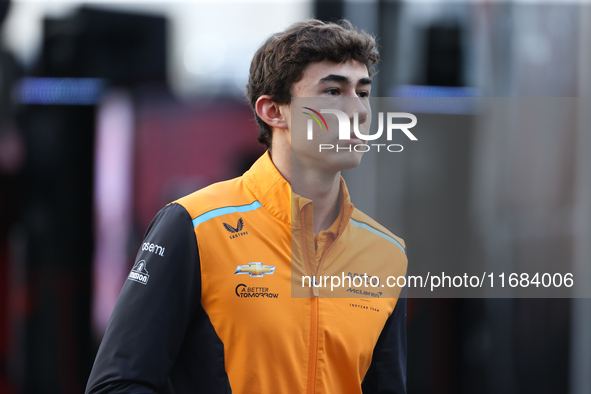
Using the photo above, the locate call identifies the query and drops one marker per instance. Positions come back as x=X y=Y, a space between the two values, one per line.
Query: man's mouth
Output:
x=354 y=140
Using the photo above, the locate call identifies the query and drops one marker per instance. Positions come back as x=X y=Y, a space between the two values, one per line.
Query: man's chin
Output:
x=346 y=160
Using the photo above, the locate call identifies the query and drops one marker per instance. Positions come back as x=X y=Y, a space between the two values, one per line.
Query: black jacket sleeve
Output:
x=387 y=372
x=153 y=311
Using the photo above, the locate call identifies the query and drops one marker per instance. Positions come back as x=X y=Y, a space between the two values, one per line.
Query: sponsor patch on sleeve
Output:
x=139 y=273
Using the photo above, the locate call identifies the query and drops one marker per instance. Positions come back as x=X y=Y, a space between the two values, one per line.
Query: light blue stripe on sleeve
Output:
x=378 y=233
x=214 y=213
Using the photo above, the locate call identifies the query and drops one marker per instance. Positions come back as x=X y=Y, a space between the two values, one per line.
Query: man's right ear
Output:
x=271 y=113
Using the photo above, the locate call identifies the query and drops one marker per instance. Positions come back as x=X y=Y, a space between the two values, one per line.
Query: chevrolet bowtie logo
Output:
x=256 y=270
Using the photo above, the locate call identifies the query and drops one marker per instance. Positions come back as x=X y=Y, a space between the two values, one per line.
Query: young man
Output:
x=208 y=306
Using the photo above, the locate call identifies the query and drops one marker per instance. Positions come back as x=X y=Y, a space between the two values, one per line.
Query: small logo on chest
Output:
x=236 y=232
x=366 y=307
x=256 y=270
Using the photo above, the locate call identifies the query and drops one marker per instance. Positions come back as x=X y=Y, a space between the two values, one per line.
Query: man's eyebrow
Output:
x=342 y=78
x=364 y=81
x=335 y=78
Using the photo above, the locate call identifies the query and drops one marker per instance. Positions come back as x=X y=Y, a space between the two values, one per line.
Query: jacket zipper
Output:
x=325 y=253
x=314 y=312
x=312 y=356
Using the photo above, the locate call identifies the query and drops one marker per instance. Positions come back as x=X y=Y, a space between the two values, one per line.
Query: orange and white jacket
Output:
x=227 y=296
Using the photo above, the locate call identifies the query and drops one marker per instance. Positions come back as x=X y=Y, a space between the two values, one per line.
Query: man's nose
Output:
x=356 y=105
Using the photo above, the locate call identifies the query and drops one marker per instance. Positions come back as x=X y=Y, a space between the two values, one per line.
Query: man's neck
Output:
x=324 y=194
x=321 y=188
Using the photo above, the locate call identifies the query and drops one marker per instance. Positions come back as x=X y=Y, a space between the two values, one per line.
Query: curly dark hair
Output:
x=281 y=60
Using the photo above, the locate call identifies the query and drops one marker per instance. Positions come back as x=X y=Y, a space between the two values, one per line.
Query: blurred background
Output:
x=107 y=112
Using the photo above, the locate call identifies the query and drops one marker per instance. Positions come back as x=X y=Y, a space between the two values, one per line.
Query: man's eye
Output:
x=332 y=92
x=363 y=94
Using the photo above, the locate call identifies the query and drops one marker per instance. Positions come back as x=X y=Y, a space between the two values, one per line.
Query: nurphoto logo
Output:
x=345 y=129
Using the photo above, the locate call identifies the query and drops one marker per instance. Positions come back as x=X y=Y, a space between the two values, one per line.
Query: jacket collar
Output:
x=299 y=204
x=269 y=187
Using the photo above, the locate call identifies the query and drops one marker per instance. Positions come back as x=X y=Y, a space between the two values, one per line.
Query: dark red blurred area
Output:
x=182 y=148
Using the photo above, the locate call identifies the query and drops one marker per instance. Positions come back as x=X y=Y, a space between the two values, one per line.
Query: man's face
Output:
x=342 y=86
